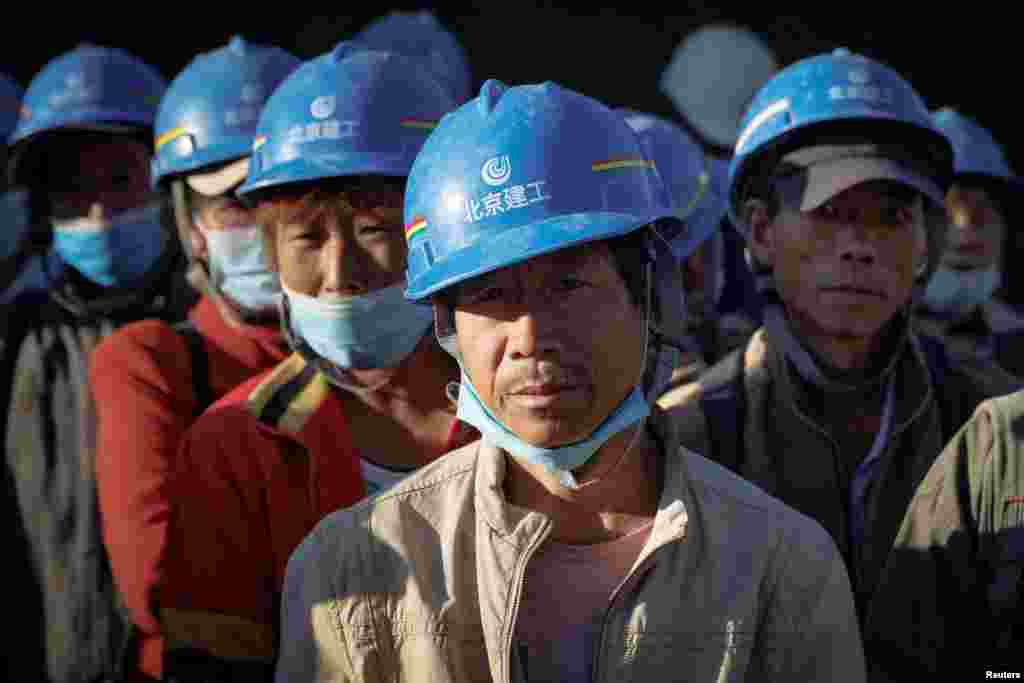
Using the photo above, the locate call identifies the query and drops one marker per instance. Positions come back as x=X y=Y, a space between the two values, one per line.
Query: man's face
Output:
x=976 y=229
x=110 y=172
x=222 y=212
x=552 y=345
x=343 y=248
x=846 y=268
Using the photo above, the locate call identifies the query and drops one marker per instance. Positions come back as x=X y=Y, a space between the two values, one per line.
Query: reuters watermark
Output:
x=1004 y=675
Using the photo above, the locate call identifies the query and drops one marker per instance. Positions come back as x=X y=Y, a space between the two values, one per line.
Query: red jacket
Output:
x=141 y=379
x=255 y=474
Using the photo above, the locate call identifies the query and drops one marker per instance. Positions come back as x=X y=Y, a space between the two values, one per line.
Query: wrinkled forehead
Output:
x=591 y=257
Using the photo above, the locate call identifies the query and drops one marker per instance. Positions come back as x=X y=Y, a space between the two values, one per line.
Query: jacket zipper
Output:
x=513 y=609
x=631 y=578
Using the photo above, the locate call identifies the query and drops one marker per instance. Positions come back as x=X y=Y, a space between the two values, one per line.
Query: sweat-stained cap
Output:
x=214 y=183
x=827 y=170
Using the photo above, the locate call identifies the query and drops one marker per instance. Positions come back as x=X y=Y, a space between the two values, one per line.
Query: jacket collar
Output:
x=520 y=526
x=84 y=299
x=289 y=397
x=913 y=385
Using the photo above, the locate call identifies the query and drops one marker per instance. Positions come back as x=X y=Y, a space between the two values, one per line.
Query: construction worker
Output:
x=24 y=659
x=421 y=36
x=682 y=172
x=950 y=602
x=962 y=304
x=82 y=147
x=14 y=213
x=712 y=76
x=835 y=405
x=151 y=379
x=575 y=540
x=359 y=404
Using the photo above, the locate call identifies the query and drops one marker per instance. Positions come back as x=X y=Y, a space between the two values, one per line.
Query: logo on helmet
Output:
x=859 y=76
x=77 y=90
x=496 y=170
x=323 y=106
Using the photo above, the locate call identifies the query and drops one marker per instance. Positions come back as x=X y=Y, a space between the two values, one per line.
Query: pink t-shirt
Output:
x=567 y=591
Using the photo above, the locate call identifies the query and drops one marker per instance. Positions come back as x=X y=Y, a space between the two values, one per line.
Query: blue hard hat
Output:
x=711 y=211
x=352 y=111
x=835 y=93
x=421 y=35
x=519 y=172
x=975 y=151
x=209 y=113
x=681 y=166
x=10 y=103
x=90 y=86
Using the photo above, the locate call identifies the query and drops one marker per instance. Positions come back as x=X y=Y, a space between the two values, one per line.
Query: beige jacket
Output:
x=423 y=583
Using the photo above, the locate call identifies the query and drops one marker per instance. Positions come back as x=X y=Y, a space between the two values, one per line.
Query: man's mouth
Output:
x=549 y=389
x=855 y=290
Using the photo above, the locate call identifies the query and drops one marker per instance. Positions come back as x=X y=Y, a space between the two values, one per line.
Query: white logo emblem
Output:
x=496 y=170
x=859 y=76
x=74 y=80
x=322 y=107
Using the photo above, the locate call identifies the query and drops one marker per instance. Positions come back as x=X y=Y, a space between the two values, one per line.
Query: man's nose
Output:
x=856 y=245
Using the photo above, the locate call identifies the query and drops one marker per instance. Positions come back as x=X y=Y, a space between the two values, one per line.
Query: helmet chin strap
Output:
x=639 y=429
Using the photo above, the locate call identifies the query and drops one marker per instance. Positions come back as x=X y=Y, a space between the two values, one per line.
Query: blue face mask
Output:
x=563 y=459
x=375 y=330
x=14 y=221
x=237 y=268
x=114 y=252
x=957 y=292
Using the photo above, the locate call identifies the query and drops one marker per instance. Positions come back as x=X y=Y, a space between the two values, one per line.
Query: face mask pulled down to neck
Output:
x=560 y=460
x=374 y=330
x=958 y=292
x=115 y=251
x=238 y=269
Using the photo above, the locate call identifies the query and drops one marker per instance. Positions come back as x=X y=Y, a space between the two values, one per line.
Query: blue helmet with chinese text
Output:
x=352 y=111
x=519 y=172
x=10 y=103
x=976 y=152
x=837 y=94
x=421 y=36
x=88 y=87
x=209 y=113
x=682 y=168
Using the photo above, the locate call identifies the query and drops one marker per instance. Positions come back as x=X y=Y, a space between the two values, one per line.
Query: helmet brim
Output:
x=526 y=242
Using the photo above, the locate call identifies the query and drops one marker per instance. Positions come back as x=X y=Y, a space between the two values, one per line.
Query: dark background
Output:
x=964 y=55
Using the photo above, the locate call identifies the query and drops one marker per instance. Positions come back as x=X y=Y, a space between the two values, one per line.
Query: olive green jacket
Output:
x=950 y=600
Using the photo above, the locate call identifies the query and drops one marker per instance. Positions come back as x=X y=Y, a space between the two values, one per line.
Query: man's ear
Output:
x=761 y=236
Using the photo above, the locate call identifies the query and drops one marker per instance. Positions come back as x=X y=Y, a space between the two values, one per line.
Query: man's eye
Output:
x=829 y=212
x=568 y=284
x=898 y=215
x=374 y=230
x=484 y=295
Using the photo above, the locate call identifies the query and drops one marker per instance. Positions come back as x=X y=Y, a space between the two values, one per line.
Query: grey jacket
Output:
x=50 y=440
